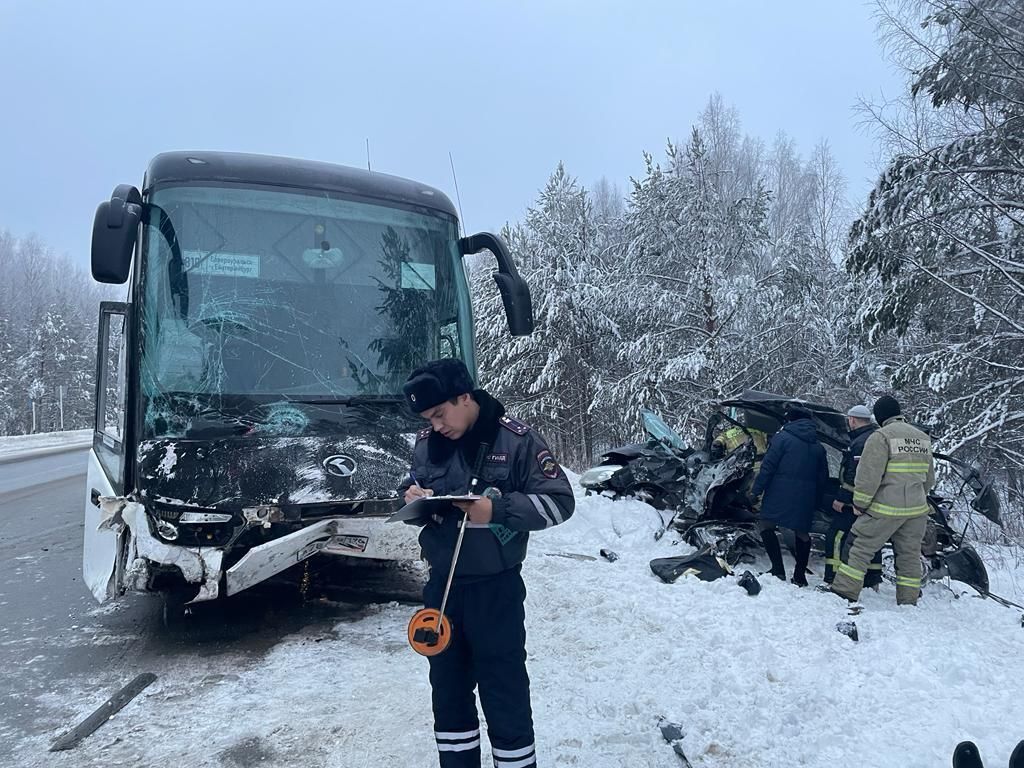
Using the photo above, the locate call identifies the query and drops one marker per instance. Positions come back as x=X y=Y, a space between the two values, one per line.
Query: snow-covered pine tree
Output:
x=682 y=287
x=550 y=378
x=942 y=233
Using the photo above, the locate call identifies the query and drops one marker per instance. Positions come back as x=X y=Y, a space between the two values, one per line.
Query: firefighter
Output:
x=728 y=441
x=731 y=438
x=861 y=425
x=890 y=499
x=524 y=490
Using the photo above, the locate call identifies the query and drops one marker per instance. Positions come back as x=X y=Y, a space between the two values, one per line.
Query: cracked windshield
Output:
x=286 y=296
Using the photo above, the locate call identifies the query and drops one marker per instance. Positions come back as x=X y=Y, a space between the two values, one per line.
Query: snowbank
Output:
x=12 y=446
x=755 y=681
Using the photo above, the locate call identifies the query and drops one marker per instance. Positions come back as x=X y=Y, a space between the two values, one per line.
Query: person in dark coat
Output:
x=793 y=478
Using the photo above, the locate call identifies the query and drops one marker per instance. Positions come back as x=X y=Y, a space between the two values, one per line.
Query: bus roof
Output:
x=190 y=167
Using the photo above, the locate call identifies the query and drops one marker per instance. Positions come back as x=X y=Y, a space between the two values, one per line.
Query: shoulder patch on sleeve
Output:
x=514 y=425
x=548 y=465
x=423 y=434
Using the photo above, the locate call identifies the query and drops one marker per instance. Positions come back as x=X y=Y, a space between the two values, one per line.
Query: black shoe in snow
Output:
x=966 y=755
x=1017 y=758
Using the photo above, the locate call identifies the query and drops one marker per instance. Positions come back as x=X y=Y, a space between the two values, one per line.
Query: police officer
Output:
x=525 y=490
x=861 y=426
x=890 y=498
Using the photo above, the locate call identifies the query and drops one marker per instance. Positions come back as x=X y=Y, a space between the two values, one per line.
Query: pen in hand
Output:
x=419 y=492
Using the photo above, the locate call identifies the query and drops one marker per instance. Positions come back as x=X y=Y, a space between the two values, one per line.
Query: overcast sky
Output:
x=91 y=90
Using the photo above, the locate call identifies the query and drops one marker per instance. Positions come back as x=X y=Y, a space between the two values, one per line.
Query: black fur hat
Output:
x=795 y=412
x=885 y=408
x=437 y=381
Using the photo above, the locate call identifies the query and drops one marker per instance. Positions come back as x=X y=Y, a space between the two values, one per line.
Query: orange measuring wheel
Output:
x=430 y=632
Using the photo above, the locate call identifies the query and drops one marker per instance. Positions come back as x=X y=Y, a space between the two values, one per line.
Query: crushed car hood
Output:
x=236 y=472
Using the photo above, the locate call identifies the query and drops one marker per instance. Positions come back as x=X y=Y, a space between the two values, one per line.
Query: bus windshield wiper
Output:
x=353 y=400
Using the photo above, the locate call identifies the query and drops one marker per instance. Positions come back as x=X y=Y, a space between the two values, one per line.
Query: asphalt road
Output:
x=61 y=653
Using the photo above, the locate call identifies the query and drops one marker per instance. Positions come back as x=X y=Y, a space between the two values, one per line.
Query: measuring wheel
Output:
x=430 y=632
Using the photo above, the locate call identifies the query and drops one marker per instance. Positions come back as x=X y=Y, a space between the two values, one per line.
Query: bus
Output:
x=249 y=409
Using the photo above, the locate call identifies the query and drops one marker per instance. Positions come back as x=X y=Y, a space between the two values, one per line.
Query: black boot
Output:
x=1017 y=758
x=803 y=555
x=771 y=546
x=966 y=756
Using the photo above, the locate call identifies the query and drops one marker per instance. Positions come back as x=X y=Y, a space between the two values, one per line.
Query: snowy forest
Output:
x=48 y=311
x=734 y=263
x=729 y=262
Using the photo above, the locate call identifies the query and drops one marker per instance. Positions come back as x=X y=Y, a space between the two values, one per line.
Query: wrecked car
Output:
x=249 y=410
x=703 y=492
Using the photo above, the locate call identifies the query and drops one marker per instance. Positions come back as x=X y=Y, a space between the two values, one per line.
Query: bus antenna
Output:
x=458 y=197
x=368 y=156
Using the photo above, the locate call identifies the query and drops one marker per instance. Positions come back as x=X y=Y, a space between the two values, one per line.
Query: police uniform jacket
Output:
x=535 y=493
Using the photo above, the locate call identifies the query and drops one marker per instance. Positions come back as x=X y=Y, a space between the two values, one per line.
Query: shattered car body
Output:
x=705 y=497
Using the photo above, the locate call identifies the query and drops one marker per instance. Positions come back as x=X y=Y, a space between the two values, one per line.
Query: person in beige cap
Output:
x=861 y=425
x=890 y=499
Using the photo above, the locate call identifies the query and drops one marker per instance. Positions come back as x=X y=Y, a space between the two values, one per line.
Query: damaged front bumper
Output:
x=142 y=555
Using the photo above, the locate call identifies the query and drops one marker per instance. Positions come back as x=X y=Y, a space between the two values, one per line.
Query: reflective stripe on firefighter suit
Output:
x=485 y=606
x=733 y=437
x=837 y=539
x=895 y=473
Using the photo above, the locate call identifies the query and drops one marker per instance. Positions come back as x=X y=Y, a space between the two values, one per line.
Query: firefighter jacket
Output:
x=851 y=458
x=535 y=493
x=896 y=471
x=732 y=438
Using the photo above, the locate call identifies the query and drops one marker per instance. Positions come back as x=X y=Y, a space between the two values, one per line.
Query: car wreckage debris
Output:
x=705 y=565
x=750 y=583
x=849 y=629
x=702 y=494
x=106 y=710
x=673 y=734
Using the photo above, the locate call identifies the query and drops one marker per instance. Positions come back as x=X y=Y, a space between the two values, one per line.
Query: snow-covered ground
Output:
x=755 y=681
x=18 y=445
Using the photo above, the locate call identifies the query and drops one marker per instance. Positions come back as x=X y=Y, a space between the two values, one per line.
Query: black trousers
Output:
x=487 y=652
x=836 y=542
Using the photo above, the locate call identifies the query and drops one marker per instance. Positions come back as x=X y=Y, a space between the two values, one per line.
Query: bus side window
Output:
x=111 y=389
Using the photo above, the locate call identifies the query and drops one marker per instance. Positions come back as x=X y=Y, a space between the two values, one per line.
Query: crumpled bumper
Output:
x=354 y=537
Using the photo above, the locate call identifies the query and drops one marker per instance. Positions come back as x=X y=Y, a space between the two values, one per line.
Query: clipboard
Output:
x=421 y=506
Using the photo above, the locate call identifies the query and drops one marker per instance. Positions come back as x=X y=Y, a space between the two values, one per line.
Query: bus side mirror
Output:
x=515 y=293
x=114 y=230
